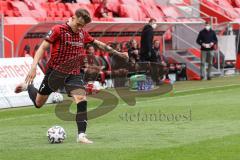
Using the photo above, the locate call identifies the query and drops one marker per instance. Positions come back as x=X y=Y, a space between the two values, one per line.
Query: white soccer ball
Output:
x=56 y=134
x=57 y=97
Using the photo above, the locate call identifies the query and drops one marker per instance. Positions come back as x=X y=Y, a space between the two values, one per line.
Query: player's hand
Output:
x=31 y=75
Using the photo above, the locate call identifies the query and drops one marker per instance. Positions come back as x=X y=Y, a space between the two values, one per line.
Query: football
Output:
x=57 y=97
x=56 y=134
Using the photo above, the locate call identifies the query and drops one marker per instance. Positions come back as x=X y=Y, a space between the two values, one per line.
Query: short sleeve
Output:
x=88 y=38
x=53 y=35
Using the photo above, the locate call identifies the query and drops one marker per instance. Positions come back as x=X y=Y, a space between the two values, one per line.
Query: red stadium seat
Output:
x=53 y=6
x=131 y=11
x=113 y=6
x=96 y=1
x=229 y=10
x=237 y=3
x=85 y=2
x=153 y=12
x=147 y=2
x=16 y=13
x=50 y=13
x=237 y=10
x=4 y=5
x=88 y=7
x=22 y=7
x=129 y=2
x=45 y=6
x=170 y=11
x=19 y=5
x=72 y=7
x=59 y=14
x=226 y=7
x=8 y=13
x=61 y=6
x=67 y=14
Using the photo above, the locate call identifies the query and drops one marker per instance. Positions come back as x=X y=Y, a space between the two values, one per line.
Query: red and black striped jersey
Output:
x=67 y=53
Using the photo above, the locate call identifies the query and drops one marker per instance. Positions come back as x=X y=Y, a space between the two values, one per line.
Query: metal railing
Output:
x=213 y=20
x=190 y=45
x=12 y=45
x=1 y=36
x=222 y=8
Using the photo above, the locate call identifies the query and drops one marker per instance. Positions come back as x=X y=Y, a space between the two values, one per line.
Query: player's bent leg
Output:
x=40 y=100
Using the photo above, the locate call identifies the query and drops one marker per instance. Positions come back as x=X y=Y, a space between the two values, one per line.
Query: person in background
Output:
x=147 y=41
x=159 y=58
x=102 y=10
x=133 y=51
x=157 y=55
x=207 y=39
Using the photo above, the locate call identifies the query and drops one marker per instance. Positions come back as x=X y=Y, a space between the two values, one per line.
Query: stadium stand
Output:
x=139 y=10
x=34 y=11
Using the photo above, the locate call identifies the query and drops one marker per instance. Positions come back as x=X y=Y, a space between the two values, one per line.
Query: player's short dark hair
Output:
x=84 y=14
x=207 y=22
x=152 y=20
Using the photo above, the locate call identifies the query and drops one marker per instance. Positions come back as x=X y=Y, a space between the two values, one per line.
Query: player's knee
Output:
x=39 y=103
x=79 y=98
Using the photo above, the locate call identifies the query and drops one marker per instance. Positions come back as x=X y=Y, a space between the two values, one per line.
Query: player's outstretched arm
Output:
x=39 y=53
x=110 y=50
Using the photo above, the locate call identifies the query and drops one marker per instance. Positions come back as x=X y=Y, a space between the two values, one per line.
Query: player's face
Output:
x=91 y=50
x=134 y=44
x=78 y=22
x=156 y=44
x=154 y=24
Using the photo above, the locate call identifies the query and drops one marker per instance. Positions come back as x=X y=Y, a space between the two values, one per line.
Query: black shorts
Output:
x=55 y=80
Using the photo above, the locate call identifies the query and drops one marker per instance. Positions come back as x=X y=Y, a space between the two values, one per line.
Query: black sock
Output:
x=81 y=117
x=32 y=92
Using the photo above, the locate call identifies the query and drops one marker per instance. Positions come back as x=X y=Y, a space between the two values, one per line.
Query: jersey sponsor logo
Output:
x=74 y=44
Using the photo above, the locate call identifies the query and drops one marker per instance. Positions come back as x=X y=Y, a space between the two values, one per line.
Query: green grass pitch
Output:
x=208 y=128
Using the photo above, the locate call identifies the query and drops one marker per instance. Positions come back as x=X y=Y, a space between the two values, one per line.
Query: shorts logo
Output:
x=43 y=86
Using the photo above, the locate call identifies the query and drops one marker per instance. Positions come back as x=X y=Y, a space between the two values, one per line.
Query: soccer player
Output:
x=68 y=41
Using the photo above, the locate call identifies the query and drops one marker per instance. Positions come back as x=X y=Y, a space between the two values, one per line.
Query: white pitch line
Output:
x=231 y=85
